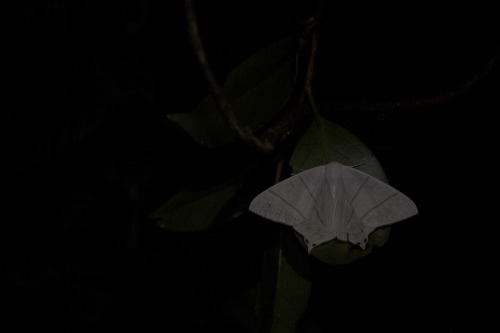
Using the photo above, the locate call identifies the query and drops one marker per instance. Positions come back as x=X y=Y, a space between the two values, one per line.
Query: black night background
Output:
x=87 y=154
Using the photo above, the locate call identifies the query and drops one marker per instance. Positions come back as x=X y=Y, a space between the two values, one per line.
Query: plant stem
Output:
x=243 y=133
x=282 y=129
x=419 y=103
x=312 y=55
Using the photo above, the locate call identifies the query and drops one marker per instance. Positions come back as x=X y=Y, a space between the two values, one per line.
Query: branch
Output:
x=312 y=54
x=293 y=118
x=419 y=103
x=243 y=133
x=289 y=122
x=310 y=67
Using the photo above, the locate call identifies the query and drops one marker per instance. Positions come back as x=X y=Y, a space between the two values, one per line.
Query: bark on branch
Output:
x=239 y=131
x=282 y=129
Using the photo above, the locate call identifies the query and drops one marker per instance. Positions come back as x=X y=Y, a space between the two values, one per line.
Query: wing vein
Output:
x=354 y=198
x=288 y=204
x=315 y=206
x=379 y=204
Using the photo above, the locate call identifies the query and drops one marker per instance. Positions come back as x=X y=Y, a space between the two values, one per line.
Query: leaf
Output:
x=257 y=89
x=326 y=141
x=196 y=210
x=284 y=290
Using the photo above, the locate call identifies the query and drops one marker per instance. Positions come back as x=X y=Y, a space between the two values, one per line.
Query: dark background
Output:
x=87 y=155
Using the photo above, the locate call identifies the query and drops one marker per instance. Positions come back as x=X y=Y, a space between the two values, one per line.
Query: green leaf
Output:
x=196 y=210
x=326 y=141
x=257 y=89
x=284 y=289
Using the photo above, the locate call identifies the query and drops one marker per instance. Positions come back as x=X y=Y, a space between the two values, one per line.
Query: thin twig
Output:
x=312 y=54
x=420 y=103
x=243 y=133
x=291 y=120
x=279 y=168
x=310 y=68
x=283 y=128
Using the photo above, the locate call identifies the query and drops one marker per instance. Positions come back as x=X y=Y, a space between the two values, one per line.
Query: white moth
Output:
x=333 y=201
